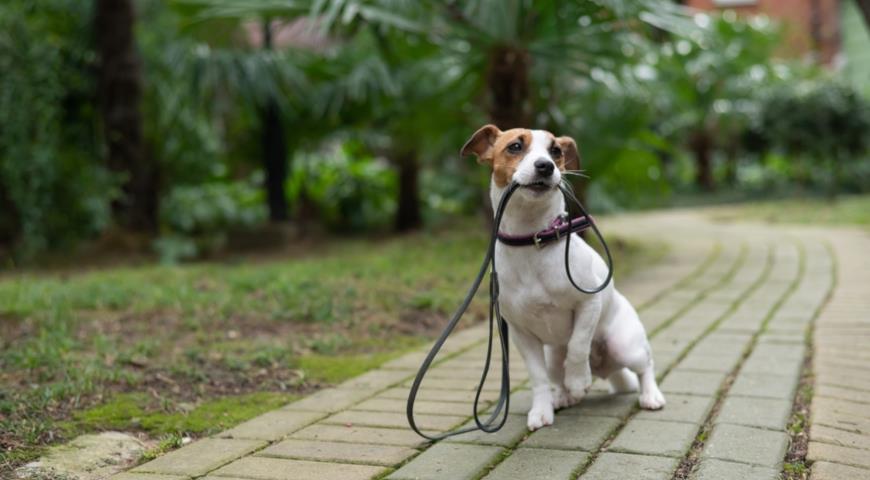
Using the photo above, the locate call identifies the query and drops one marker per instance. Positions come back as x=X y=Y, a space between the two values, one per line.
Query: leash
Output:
x=493 y=424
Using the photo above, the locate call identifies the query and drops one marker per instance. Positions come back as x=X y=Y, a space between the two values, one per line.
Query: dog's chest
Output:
x=533 y=293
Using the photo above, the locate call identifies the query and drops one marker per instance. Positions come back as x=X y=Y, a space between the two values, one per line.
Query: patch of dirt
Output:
x=12 y=328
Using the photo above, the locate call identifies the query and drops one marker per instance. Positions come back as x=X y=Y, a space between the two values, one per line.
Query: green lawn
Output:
x=193 y=349
x=843 y=210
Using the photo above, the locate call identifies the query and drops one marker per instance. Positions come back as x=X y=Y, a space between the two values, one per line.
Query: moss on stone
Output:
x=136 y=410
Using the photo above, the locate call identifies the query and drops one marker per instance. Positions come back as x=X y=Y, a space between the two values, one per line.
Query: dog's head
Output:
x=535 y=159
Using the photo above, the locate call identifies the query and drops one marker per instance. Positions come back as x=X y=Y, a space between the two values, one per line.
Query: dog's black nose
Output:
x=544 y=167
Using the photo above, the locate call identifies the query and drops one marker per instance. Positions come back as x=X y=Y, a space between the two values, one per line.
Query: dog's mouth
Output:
x=539 y=186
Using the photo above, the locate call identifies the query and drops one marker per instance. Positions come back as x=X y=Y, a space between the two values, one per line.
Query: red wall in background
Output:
x=799 y=22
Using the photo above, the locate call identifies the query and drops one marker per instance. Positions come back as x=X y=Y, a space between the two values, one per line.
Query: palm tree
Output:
x=519 y=61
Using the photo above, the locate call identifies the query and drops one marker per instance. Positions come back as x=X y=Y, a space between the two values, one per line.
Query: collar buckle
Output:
x=537 y=241
x=561 y=221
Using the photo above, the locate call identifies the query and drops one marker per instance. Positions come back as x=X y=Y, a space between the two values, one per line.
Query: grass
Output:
x=188 y=350
x=843 y=210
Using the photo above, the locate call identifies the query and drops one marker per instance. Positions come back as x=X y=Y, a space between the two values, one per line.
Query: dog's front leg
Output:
x=578 y=375
x=532 y=350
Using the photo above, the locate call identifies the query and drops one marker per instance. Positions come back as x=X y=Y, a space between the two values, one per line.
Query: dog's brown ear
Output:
x=480 y=144
x=570 y=154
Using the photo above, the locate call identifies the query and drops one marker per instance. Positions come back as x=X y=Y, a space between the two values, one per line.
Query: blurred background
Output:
x=211 y=207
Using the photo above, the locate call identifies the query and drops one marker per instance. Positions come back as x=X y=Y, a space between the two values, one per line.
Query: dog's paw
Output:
x=562 y=399
x=540 y=416
x=578 y=387
x=652 y=399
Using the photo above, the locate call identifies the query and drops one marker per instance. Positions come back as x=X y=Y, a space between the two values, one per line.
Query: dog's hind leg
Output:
x=623 y=381
x=627 y=346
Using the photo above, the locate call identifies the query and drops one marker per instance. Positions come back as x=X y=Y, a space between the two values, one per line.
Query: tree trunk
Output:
x=274 y=148
x=864 y=6
x=119 y=78
x=701 y=146
x=274 y=161
x=732 y=156
x=408 y=214
x=508 y=84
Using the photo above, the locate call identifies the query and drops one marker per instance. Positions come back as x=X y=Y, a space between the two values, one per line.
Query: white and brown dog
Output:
x=564 y=336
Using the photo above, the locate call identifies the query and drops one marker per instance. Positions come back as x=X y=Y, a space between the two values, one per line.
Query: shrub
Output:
x=824 y=126
x=346 y=186
x=196 y=220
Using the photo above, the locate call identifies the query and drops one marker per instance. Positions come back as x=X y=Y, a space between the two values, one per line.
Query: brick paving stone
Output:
x=146 y=476
x=603 y=405
x=692 y=383
x=785 y=365
x=200 y=457
x=664 y=360
x=681 y=408
x=448 y=461
x=520 y=402
x=272 y=425
x=385 y=455
x=841 y=421
x=770 y=413
x=700 y=361
x=395 y=419
x=713 y=469
x=654 y=437
x=825 y=404
x=835 y=471
x=573 y=432
x=779 y=337
x=462 y=398
x=764 y=385
x=836 y=436
x=623 y=466
x=668 y=344
x=337 y=433
x=538 y=464
x=265 y=468
x=455 y=384
x=331 y=400
x=408 y=361
x=381 y=404
x=843 y=394
x=741 y=444
x=511 y=432
x=377 y=379
x=837 y=454
x=853 y=382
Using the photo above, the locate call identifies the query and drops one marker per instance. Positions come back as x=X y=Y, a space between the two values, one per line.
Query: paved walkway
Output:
x=730 y=311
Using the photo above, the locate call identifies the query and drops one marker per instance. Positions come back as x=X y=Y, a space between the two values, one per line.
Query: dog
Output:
x=564 y=336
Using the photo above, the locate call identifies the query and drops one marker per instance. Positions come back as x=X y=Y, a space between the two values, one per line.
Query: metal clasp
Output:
x=537 y=241
x=564 y=218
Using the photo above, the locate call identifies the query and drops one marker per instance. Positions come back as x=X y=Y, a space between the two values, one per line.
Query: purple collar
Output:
x=558 y=228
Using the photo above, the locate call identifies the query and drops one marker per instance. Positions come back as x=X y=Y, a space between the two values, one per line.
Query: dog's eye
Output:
x=515 y=147
x=555 y=151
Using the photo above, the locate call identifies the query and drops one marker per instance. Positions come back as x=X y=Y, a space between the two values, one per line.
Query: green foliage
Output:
x=196 y=219
x=348 y=188
x=53 y=191
x=824 y=128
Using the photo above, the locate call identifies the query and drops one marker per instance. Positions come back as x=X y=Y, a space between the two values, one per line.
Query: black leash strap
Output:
x=493 y=424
